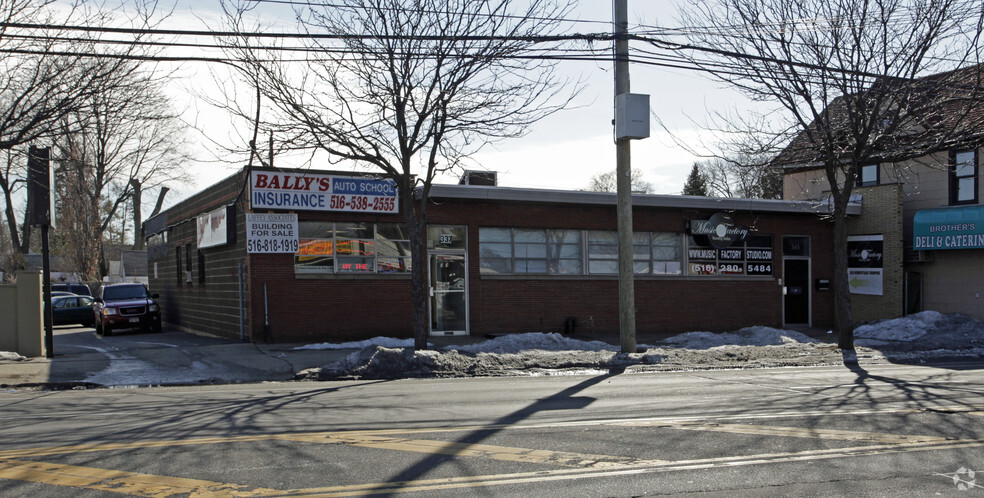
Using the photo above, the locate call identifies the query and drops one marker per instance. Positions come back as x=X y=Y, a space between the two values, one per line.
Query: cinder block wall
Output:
x=881 y=213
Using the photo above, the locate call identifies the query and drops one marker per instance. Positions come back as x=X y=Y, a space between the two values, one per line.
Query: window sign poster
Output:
x=864 y=264
x=271 y=233
x=320 y=192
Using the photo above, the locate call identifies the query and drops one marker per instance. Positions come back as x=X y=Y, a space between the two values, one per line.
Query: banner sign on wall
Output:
x=271 y=233
x=321 y=192
x=864 y=264
x=213 y=228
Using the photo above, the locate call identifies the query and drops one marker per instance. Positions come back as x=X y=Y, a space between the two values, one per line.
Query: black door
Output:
x=796 y=295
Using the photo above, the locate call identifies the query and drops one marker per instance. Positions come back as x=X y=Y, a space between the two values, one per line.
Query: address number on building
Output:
x=272 y=233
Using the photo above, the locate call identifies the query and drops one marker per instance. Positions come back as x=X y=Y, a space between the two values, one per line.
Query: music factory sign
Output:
x=720 y=230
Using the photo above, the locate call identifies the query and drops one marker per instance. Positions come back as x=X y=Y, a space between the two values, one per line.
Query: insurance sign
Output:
x=292 y=191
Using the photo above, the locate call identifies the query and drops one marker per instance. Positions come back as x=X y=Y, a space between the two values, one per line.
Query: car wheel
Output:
x=106 y=331
x=155 y=327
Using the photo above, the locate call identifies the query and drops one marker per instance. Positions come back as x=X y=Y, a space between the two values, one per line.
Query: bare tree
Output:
x=606 y=182
x=120 y=141
x=850 y=77
x=727 y=177
x=407 y=90
x=47 y=72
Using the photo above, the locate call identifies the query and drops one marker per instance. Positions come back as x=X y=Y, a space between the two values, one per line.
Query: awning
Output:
x=960 y=227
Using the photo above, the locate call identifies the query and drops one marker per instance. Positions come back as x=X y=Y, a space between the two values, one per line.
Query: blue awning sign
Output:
x=960 y=227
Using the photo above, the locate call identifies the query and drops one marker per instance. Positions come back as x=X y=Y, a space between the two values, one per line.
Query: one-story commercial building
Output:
x=274 y=255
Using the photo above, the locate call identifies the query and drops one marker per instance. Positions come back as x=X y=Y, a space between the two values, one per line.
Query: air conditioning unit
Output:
x=188 y=277
x=921 y=257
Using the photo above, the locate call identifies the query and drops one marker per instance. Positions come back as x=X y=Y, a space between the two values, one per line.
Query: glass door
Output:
x=449 y=312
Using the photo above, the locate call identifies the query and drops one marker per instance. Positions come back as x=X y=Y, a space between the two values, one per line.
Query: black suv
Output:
x=122 y=306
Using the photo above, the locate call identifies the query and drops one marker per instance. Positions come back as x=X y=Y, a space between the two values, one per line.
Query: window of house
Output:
x=963 y=177
x=326 y=247
x=868 y=175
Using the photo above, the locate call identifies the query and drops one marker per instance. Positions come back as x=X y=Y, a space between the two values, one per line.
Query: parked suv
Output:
x=122 y=306
x=80 y=289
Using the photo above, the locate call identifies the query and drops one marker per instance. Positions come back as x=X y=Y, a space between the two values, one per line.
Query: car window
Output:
x=125 y=292
x=85 y=301
x=69 y=302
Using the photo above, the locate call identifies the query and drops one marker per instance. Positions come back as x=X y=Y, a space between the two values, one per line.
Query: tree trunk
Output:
x=419 y=293
x=160 y=202
x=11 y=219
x=843 y=319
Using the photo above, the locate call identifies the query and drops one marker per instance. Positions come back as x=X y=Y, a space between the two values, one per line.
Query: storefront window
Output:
x=352 y=248
x=505 y=250
x=603 y=252
x=666 y=254
x=575 y=252
x=752 y=257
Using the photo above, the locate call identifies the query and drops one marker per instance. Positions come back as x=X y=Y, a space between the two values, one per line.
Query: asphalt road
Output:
x=879 y=431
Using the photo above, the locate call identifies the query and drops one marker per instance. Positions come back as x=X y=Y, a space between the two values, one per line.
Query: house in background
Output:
x=925 y=218
x=130 y=267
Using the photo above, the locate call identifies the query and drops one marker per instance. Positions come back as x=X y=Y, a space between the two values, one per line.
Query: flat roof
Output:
x=550 y=196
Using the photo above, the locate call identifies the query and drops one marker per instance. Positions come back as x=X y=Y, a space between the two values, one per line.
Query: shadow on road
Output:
x=563 y=400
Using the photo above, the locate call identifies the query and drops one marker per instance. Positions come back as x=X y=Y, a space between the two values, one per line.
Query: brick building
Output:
x=306 y=256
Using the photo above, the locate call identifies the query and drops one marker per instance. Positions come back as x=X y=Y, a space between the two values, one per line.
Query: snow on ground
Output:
x=916 y=338
x=7 y=355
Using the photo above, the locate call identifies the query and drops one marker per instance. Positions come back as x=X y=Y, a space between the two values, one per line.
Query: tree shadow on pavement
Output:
x=562 y=400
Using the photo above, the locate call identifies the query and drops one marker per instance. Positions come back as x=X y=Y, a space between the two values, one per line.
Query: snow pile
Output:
x=906 y=329
x=748 y=336
x=918 y=337
x=10 y=356
x=519 y=343
x=386 y=342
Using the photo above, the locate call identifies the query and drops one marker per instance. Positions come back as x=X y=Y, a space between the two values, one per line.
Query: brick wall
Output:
x=317 y=308
x=211 y=306
x=881 y=214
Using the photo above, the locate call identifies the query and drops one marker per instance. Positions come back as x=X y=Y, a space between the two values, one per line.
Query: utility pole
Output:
x=623 y=169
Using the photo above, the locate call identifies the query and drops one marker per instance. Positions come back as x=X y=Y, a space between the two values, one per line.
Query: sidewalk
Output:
x=224 y=363
x=216 y=364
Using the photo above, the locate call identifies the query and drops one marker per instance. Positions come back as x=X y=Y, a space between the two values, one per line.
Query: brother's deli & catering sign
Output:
x=320 y=192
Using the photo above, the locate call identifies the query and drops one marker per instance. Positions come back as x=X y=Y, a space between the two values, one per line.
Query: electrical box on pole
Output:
x=631 y=116
x=40 y=196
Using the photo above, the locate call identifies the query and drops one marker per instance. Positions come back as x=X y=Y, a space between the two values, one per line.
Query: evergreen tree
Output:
x=696 y=183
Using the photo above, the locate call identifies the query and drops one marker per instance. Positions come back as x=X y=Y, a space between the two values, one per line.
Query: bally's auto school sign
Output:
x=321 y=192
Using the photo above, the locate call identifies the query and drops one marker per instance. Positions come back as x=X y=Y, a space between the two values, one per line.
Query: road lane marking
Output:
x=783 y=431
x=586 y=465
x=475 y=450
x=130 y=483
